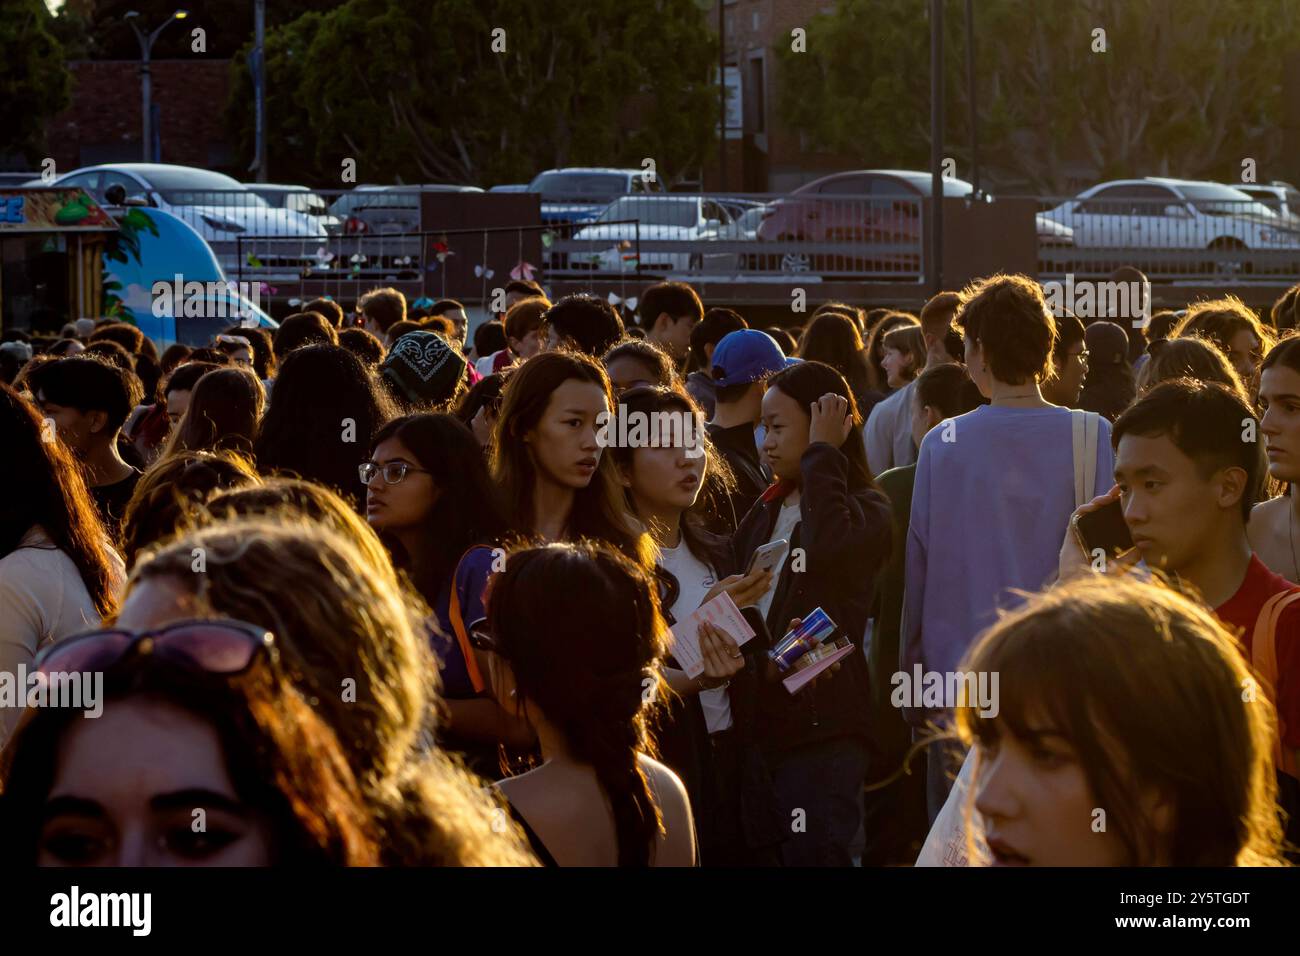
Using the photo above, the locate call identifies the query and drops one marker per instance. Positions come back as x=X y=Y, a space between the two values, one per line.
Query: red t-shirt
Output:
x=1241 y=611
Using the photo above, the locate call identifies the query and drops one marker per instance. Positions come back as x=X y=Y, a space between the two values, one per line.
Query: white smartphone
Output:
x=768 y=556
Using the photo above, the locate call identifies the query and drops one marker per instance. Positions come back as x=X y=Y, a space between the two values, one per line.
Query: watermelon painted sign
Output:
x=52 y=210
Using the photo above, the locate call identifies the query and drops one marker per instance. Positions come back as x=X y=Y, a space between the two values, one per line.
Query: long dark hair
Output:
x=809 y=381
x=599 y=510
x=467 y=511
x=223 y=413
x=710 y=548
x=41 y=484
x=580 y=627
x=323 y=395
x=834 y=339
x=283 y=759
x=171 y=493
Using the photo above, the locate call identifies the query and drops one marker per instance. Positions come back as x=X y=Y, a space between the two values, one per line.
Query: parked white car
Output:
x=220 y=209
x=1282 y=198
x=299 y=199
x=1157 y=213
x=613 y=235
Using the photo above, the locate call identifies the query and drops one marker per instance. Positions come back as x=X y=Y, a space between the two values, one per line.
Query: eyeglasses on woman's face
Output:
x=393 y=471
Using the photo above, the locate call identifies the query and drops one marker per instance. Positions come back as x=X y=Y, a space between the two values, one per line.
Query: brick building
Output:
x=763 y=155
x=102 y=125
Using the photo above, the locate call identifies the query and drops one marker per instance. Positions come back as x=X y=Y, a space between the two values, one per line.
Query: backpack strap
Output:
x=1084 y=428
x=1263 y=656
x=462 y=633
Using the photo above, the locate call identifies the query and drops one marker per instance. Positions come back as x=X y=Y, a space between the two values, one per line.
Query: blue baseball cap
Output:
x=747 y=355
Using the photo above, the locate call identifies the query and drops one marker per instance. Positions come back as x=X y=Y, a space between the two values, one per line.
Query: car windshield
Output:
x=199 y=187
x=1209 y=198
x=349 y=203
x=583 y=187
x=655 y=212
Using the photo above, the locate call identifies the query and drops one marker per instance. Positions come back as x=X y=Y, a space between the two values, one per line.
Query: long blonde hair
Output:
x=350 y=636
x=1154 y=696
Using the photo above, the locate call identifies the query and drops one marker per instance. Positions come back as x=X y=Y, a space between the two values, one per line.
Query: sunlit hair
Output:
x=910 y=340
x=599 y=510
x=351 y=636
x=284 y=762
x=1010 y=320
x=1285 y=354
x=1283 y=314
x=655 y=359
x=1220 y=320
x=717 y=481
x=876 y=346
x=1190 y=357
x=1147 y=688
x=833 y=338
x=41 y=484
x=337 y=616
x=596 y=685
x=170 y=494
x=224 y=411
x=274 y=498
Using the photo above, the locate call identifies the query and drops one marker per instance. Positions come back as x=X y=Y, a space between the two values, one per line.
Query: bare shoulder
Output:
x=1273 y=509
x=669 y=793
x=667 y=787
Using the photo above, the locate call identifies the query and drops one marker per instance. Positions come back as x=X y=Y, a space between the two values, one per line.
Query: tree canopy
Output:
x=1183 y=87
x=36 y=84
x=484 y=91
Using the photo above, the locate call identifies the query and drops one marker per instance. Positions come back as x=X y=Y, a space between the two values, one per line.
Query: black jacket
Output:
x=736 y=445
x=845 y=534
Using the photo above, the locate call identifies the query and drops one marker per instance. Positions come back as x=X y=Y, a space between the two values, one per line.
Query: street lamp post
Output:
x=936 y=145
x=146 y=42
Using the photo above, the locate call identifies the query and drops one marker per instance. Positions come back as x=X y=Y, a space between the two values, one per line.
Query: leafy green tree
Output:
x=35 y=84
x=1183 y=87
x=424 y=93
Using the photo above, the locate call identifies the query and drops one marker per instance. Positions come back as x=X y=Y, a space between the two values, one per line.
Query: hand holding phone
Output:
x=745 y=589
x=1097 y=524
x=768 y=556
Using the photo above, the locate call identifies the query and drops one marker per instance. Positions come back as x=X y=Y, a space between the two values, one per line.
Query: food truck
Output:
x=63 y=256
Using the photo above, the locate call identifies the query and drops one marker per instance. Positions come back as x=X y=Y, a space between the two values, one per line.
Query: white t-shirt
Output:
x=695 y=578
x=42 y=600
x=786 y=520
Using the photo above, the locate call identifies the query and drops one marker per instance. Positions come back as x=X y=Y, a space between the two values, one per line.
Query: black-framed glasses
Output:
x=224 y=647
x=393 y=472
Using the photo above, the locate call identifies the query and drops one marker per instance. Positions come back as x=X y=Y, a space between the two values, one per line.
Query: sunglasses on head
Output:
x=223 y=647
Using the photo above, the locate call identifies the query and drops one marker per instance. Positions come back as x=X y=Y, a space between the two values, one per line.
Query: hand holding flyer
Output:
x=723 y=614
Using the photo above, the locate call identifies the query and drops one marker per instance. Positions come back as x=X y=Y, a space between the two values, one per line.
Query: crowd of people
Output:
x=368 y=590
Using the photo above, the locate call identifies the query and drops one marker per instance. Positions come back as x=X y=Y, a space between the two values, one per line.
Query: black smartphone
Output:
x=1104 y=528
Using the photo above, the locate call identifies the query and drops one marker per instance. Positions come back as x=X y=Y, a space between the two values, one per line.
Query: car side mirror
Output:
x=1177 y=211
x=713 y=224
